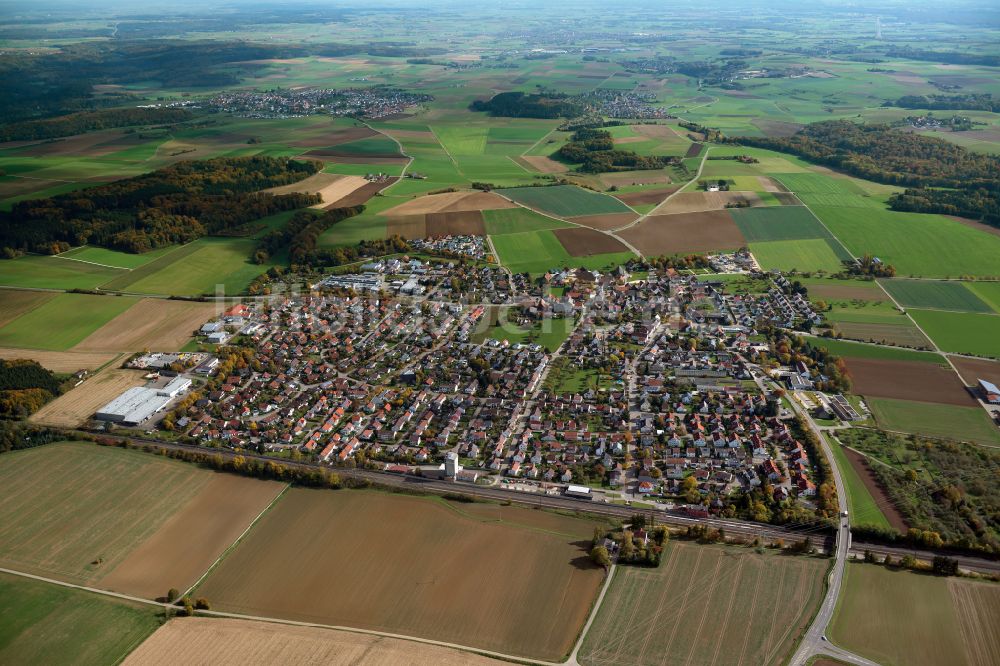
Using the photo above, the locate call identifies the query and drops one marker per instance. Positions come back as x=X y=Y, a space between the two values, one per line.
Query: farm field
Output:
x=65 y=362
x=151 y=323
x=14 y=303
x=961 y=332
x=898 y=617
x=540 y=251
x=696 y=202
x=797 y=255
x=395 y=557
x=934 y=420
x=190 y=540
x=43 y=272
x=41 y=623
x=908 y=380
x=901 y=333
x=684 y=233
x=223 y=640
x=96 y=506
x=935 y=295
x=706 y=605
x=916 y=244
x=65 y=319
x=862 y=491
x=778 y=223
x=113 y=258
x=517 y=220
x=973 y=369
x=988 y=292
x=565 y=200
x=859 y=350
x=608 y=222
x=79 y=403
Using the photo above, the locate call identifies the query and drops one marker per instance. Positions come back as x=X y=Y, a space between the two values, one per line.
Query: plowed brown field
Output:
x=697 y=232
x=581 y=242
x=412 y=566
x=362 y=194
x=450 y=202
x=152 y=323
x=646 y=196
x=461 y=223
x=907 y=380
x=543 y=164
x=185 y=546
x=228 y=642
x=974 y=369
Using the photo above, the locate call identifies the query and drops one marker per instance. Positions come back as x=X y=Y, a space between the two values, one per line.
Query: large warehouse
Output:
x=139 y=403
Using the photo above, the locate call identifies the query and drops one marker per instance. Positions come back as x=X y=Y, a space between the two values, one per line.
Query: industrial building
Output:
x=138 y=403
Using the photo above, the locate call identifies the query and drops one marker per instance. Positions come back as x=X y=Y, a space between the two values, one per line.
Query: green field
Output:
x=96 y=505
x=706 y=605
x=861 y=350
x=988 y=292
x=376 y=145
x=916 y=244
x=549 y=333
x=778 y=223
x=38 y=272
x=540 y=251
x=935 y=295
x=864 y=510
x=797 y=255
x=63 y=321
x=961 y=332
x=197 y=268
x=517 y=220
x=565 y=200
x=901 y=618
x=935 y=420
x=42 y=623
x=113 y=258
x=817 y=183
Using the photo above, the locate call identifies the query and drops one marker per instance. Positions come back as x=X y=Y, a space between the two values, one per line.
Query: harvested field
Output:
x=605 y=222
x=585 y=242
x=422 y=135
x=334 y=138
x=330 y=186
x=152 y=323
x=228 y=642
x=14 y=303
x=673 y=234
x=389 y=562
x=771 y=185
x=694 y=150
x=907 y=380
x=978 y=610
x=646 y=196
x=362 y=194
x=410 y=227
x=635 y=178
x=458 y=223
x=79 y=404
x=695 y=202
x=859 y=463
x=618 y=140
x=706 y=605
x=193 y=538
x=891 y=334
x=543 y=164
x=68 y=361
x=846 y=292
x=96 y=506
x=655 y=131
x=450 y=202
x=974 y=369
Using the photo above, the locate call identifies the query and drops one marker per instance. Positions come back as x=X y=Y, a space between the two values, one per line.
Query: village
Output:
x=373 y=102
x=652 y=393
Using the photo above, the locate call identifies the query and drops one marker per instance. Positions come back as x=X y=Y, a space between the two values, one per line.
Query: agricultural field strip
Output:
x=276 y=620
x=701 y=167
x=84 y=261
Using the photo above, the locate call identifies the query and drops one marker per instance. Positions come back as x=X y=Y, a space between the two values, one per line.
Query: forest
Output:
x=521 y=105
x=87 y=121
x=971 y=102
x=176 y=204
x=922 y=163
x=300 y=234
x=24 y=387
x=594 y=150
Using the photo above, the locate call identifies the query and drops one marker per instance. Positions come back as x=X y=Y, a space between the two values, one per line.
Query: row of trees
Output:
x=967 y=102
x=171 y=205
x=87 y=121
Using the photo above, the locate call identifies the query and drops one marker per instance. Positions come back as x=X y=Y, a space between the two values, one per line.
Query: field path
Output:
x=590 y=620
x=701 y=167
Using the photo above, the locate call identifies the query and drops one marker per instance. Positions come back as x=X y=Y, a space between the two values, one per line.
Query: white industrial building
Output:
x=137 y=404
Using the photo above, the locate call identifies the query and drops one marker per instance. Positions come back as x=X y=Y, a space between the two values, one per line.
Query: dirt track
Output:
x=581 y=242
x=226 y=642
x=907 y=380
x=605 y=222
x=696 y=232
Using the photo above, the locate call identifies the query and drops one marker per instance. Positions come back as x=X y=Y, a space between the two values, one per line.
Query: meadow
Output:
x=898 y=617
x=517 y=220
x=934 y=420
x=706 y=605
x=539 y=251
x=63 y=321
x=415 y=566
x=935 y=295
x=43 y=272
x=565 y=200
x=961 y=332
x=802 y=255
x=778 y=223
x=858 y=350
x=862 y=506
x=42 y=623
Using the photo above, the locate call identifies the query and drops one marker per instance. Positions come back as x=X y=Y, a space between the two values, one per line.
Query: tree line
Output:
x=176 y=204
x=301 y=233
x=967 y=102
x=922 y=163
x=522 y=105
x=87 y=121
x=24 y=387
x=594 y=150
